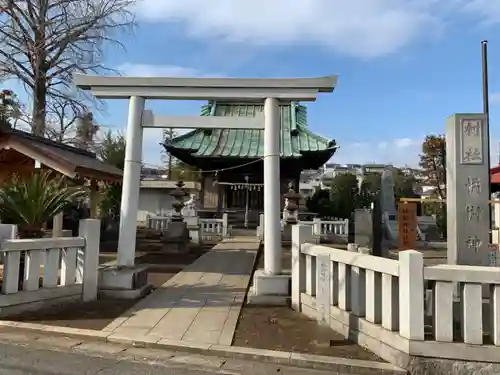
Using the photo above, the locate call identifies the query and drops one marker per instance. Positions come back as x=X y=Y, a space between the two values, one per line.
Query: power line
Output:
x=216 y=171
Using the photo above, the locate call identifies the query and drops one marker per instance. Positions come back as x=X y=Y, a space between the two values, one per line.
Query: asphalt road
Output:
x=28 y=354
x=18 y=360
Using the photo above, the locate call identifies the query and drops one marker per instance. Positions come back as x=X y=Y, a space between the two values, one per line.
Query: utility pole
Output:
x=168 y=134
x=486 y=109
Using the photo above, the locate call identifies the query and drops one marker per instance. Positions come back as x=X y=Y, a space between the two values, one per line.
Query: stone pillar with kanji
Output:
x=467 y=195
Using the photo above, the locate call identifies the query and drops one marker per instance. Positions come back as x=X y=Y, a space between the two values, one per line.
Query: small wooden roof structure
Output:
x=19 y=151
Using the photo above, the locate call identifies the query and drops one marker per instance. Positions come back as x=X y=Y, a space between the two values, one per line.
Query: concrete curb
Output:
x=334 y=364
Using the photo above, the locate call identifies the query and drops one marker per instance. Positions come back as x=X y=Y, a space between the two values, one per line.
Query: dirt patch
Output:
x=152 y=251
x=281 y=328
x=88 y=315
x=173 y=258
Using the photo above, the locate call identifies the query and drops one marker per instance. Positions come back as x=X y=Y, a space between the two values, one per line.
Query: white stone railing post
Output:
x=300 y=235
x=442 y=310
x=225 y=231
x=88 y=258
x=495 y=313
x=390 y=302
x=373 y=302
x=358 y=291
x=203 y=229
x=311 y=275
x=317 y=227
x=344 y=286
x=57 y=225
x=411 y=295
x=495 y=233
x=194 y=228
x=472 y=313
x=261 y=226
x=7 y=232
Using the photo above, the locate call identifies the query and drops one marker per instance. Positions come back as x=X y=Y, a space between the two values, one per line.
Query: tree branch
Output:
x=42 y=43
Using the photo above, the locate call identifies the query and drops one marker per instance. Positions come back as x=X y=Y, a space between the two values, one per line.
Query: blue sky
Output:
x=403 y=65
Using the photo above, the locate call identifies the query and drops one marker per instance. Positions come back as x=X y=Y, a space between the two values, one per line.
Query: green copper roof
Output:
x=296 y=138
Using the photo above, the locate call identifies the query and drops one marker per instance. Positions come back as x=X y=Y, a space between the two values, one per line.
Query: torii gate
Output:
x=271 y=91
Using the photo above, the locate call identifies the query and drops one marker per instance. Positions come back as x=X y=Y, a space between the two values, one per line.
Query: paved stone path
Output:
x=200 y=304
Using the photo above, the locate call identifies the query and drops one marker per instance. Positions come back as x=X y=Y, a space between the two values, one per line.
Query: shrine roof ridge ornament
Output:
x=257 y=89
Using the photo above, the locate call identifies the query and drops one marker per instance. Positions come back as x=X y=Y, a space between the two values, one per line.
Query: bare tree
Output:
x=68 y=122
x=43 y=42
x=10 y=108
x=61 y=118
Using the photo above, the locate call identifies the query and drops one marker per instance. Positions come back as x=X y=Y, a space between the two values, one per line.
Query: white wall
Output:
x=153 y=202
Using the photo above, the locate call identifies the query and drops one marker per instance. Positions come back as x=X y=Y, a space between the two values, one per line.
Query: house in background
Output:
x=310 y=182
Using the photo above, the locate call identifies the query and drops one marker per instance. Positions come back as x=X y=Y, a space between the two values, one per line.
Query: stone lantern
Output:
x=291 y=211
x=292 y=199
x=176 y=236
x=179 y=194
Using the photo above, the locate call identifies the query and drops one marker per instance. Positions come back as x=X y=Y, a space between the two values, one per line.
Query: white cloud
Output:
x=406 y=142
x=489 y=10
x=382 y=145
x=152 y=70
x=402 y=151
x=367 y=28
x=495 y=98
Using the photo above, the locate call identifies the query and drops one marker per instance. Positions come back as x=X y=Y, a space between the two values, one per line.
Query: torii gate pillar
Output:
x=131 y=183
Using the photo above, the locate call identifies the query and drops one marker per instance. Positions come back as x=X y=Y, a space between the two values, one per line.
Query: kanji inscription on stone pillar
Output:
x=467 y=178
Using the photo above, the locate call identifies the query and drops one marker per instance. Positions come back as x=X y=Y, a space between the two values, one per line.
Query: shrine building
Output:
x=233 y=158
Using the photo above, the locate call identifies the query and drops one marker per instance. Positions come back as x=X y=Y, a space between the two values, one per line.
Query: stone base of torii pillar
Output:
x=124 y=282
x=270 y=289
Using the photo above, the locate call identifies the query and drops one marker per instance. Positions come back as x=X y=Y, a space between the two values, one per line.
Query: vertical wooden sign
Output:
x=407 y=223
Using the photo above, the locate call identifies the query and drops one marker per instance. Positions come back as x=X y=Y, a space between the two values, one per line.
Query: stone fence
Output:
x=55 y=270
x=200 y=230
x=322 y=229
x=402 y=311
